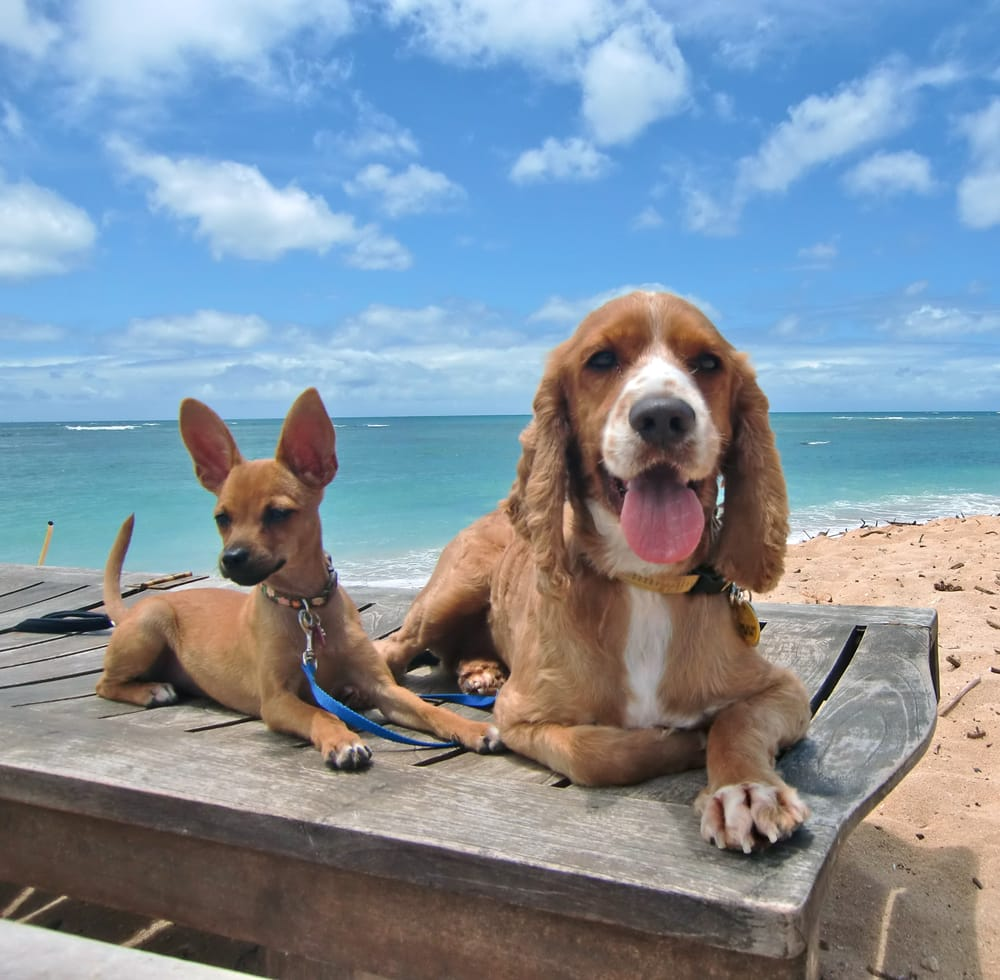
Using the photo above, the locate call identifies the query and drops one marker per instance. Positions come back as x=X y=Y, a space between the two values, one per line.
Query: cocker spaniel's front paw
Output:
x=744 y=816
x=480 y=676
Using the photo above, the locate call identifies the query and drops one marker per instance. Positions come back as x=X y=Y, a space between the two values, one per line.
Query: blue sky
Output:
x=407 y=203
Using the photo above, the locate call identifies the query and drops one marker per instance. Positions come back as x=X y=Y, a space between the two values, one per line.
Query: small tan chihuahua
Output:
x=245 y=651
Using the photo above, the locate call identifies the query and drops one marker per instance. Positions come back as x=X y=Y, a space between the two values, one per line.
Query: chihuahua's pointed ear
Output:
x=209 y=442
x=308 y=442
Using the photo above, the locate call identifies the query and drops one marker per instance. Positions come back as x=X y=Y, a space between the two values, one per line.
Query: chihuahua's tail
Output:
x=113 y=571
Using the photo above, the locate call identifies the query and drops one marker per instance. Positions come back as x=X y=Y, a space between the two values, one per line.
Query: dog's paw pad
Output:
x=480 y=677
x=350 y=758
x=747 y=815
x=160 y=695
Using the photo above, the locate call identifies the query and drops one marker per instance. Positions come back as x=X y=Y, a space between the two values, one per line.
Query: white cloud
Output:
x=646 y=219
x=929 y=321
x=979 y=191
x=376 y=251
x=631 y=79
x=136 y=45
x=204 y=328
x=15 y=330
x=239 y=212
x=624 y=57
x=823 y=128
x=463 y=325
x=704 y=212
x=41 y=233
x=724 y=105
x=571 y=159
x=916 y=288
x=787 y=326
x=411 y=191
x=979 y=199
x=375 y=135
x=818 y=130
x=477 y=31
x=25 y=30
x=884 y=174
x=982 y=130
x=819 y=256
x=10 y=121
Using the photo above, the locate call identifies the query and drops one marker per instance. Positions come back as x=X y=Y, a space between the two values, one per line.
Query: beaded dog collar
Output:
x=296 y=602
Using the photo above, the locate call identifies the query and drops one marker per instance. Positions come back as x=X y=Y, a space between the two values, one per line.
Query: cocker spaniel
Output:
x=607 y=584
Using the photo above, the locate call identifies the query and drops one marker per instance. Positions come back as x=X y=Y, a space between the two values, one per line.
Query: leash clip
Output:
x=313 y=629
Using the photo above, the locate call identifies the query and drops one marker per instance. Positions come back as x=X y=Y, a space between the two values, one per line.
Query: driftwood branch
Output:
x=958 y=697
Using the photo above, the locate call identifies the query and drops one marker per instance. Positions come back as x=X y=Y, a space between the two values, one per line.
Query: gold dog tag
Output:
x=747 y=623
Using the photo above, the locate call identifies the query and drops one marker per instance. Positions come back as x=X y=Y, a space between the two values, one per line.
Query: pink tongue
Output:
x=662 y=520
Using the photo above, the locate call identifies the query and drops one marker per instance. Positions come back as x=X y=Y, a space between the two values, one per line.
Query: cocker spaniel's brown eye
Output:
x=602 y=360
x=705 y=363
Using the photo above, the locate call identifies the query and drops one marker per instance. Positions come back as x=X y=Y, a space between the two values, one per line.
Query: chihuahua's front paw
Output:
x=747 y=815
x=350 y=758
x=480 y=677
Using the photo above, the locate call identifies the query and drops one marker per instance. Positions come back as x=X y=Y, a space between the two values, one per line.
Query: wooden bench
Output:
x=31 y=953
x=437 y=863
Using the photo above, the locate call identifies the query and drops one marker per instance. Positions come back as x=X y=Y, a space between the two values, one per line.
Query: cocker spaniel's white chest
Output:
x=646 y=654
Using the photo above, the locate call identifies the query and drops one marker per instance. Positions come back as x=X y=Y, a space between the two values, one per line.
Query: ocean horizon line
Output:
x=879 y=413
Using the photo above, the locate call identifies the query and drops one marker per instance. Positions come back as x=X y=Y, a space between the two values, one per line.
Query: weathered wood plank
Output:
x=382 y=611
x=15 y=578
x=350 y=921
x=52 y=668
x=71 y=686
x=873 y=728
x=45 y=597
x=869 y=615
x=811 y=648
x=25 y=648
x=31 y=953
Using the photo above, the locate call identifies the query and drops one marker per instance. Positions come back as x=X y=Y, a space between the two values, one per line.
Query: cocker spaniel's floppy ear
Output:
x=535 y=503
x=753 y=539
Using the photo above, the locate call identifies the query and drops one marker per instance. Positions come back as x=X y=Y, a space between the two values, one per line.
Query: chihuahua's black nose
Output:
x=234 y=559
x=662 y=422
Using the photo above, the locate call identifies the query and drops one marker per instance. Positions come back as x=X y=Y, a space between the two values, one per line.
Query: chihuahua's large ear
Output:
x=307 y=445
x=535 y=504
x=754 y=535
x=209 y=442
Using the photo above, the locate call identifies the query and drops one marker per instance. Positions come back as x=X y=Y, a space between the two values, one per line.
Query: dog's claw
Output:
x=744 y=816
x=350 y=758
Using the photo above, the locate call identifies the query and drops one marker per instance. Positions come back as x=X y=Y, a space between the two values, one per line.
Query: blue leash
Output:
x=358 y=721
x=312 y=629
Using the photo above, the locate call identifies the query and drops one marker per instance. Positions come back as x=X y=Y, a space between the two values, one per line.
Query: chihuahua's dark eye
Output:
x=276 y=515
x=222 y=520
x=705 y=363
x=603 y=360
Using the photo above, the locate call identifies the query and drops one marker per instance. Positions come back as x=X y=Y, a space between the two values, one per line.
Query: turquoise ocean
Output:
x=407 y=485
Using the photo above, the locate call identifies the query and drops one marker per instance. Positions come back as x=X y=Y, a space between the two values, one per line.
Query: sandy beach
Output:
x=914 y=893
